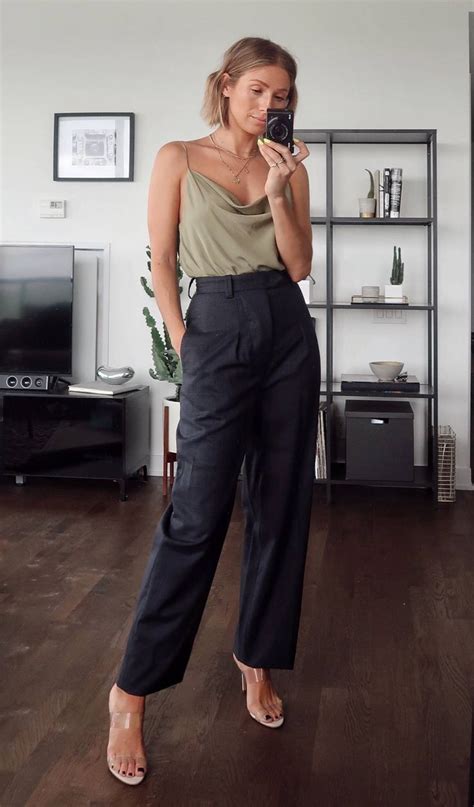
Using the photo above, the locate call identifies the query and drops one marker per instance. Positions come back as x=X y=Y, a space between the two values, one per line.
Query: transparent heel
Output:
x=126 y=720
x=254 y=675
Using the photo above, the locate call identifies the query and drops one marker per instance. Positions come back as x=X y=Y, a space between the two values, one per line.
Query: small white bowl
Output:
x=386 y=370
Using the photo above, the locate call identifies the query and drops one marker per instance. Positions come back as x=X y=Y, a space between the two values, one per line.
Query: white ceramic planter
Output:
x=394 y=294
x=366 y=208
x=173 y=419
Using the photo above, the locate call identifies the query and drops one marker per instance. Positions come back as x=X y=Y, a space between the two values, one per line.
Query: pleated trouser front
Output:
x=251 y=379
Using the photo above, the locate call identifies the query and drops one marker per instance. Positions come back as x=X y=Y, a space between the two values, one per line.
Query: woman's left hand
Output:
x=282 y=164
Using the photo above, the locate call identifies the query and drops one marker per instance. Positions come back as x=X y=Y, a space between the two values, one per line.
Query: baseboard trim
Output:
x=463 y=479
x=463 y=475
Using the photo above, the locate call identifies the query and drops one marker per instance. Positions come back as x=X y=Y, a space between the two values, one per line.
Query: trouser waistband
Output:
x=228 y=284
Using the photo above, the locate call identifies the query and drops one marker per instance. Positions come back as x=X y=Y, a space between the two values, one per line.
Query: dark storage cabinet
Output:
x=76 y=435
x=379 y=441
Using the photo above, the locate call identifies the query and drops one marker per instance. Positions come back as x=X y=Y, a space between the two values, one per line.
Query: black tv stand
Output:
x=56 y=434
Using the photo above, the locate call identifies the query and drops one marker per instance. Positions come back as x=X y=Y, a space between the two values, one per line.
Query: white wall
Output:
x=362 y=65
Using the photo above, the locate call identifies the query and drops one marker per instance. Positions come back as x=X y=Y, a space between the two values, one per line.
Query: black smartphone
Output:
x=279 y=127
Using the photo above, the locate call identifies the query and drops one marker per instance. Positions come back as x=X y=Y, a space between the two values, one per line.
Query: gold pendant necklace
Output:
x=236 y=176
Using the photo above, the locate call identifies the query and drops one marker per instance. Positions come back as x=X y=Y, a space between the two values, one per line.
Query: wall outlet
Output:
x=395 y=316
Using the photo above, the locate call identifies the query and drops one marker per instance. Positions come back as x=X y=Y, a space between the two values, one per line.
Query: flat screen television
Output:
x=36 y=297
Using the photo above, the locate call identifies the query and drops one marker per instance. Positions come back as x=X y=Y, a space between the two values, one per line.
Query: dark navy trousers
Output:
x=251 y=379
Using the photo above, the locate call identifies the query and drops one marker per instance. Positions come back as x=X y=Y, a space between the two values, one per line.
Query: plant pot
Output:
x=366 y=208
x=173 y=407
x=394 y=294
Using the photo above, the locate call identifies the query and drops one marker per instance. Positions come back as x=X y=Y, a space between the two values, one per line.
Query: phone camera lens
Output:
x=278 y=131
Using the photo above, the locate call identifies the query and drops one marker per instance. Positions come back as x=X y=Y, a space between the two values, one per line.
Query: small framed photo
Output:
x=93 y=147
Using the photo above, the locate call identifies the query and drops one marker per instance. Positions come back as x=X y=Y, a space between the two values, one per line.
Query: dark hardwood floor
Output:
x=472 y=406
x=379 y=704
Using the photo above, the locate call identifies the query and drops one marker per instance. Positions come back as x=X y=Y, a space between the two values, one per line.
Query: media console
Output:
x=74 y=435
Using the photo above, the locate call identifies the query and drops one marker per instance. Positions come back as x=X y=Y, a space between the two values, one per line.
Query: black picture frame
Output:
x=86 y=151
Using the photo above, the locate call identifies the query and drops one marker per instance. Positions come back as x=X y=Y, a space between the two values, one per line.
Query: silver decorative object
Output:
x=115 y=375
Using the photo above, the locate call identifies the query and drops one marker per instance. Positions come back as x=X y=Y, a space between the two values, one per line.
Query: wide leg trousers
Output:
x=251 y=379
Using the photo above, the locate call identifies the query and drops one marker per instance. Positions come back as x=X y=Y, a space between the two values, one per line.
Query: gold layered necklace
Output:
x=236 y=176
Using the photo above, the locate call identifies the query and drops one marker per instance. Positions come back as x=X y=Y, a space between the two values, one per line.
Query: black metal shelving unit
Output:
x=425 y=476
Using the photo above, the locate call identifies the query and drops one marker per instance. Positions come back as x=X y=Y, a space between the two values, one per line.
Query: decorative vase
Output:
x=366 y=208
x=115 y=375
x=394 y=293
x=173 y=407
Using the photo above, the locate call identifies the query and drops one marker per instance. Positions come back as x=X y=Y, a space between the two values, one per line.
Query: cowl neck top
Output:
x=218 y=235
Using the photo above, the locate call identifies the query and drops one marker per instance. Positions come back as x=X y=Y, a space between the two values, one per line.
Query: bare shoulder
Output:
x=199 y=141
x=198 y=148
x=171 y=153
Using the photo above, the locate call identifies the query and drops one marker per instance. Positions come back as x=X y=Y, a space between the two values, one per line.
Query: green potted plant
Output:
x=394 y=290
x=367 y=204
x=166 y=362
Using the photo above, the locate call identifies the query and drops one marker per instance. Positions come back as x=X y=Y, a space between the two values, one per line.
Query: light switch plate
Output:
x=52 y=209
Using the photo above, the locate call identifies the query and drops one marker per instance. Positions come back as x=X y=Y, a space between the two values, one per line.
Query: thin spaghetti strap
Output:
x=186 y=152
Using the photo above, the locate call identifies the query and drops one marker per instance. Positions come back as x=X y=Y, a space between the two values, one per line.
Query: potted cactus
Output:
x=166 y=362
x=394 y=291
x=367 y=204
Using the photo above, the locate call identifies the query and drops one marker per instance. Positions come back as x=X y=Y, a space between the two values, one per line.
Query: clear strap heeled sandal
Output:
x=253 y=675
x=126 y=720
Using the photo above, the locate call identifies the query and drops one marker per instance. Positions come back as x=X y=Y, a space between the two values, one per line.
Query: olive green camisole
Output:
x=218 y=235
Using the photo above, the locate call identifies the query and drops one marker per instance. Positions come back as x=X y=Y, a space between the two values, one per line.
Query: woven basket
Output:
x=446 y=464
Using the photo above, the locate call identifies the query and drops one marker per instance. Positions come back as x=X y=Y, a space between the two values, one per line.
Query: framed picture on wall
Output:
x=93 y=146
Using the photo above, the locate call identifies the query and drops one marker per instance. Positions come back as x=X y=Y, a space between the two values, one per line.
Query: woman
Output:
x=239 y=207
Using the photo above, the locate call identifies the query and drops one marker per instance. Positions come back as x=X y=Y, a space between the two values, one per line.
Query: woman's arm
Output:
x=163 y=219
x=293 y=231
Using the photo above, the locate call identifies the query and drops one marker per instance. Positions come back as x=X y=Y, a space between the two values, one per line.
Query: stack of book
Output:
x=102 y=388
x=358 y=299
x=320 y=469
x=388 y=192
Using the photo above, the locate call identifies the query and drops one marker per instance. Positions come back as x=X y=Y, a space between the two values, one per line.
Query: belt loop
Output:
x=193 y=280
x=229 y=289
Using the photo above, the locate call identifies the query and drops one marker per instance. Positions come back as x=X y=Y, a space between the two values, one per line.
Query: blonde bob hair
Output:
x=244 y=55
